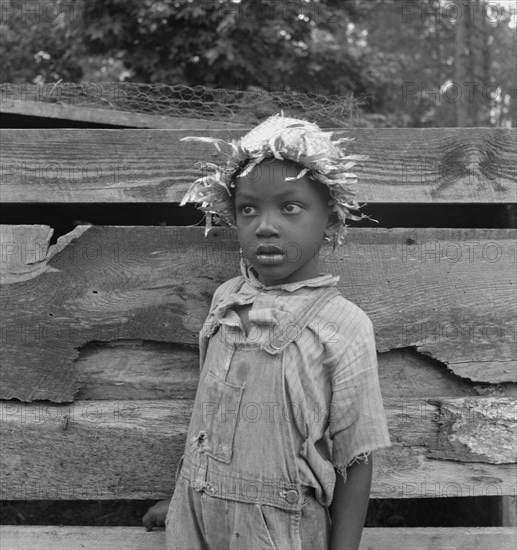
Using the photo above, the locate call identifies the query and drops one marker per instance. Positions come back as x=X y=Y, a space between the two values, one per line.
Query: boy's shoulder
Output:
x=227 y=287
x=344 y=316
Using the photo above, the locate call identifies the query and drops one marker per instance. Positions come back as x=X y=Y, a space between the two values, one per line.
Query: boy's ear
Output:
x=330 y=228
x=329 y=231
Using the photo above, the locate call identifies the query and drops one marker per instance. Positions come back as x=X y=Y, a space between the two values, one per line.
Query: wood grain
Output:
x=447 y=293
x=117 y=449
x=132 y=369
x=107 y=116
x=136 y=538
x=440 y=165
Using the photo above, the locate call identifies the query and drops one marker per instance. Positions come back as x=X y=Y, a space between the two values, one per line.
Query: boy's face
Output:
x=281 y=224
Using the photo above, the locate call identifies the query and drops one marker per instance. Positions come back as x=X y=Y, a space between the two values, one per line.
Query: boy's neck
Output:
x=313 y=274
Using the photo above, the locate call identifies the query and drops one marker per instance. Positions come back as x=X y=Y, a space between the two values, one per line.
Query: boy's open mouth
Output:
x=269 y=253
x=269 y=250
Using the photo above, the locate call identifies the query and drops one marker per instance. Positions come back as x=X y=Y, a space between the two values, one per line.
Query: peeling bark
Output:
x=477 y=430
x=26 y=251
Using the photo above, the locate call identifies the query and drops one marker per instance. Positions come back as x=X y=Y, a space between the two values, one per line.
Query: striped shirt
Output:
x=331 y=380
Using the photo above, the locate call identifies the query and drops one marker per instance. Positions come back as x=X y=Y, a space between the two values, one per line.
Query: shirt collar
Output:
x=324 y=279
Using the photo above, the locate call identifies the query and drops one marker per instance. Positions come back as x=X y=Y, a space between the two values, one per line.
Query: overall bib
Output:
x=239 y=486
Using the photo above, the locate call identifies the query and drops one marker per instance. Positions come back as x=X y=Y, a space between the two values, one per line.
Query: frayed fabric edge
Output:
x=361 y=457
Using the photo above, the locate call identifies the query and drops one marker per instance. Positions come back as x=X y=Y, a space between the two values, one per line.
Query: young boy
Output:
x=288 y=408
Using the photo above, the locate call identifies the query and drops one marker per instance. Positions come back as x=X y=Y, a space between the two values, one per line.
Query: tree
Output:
x=36 y=42
x=442 y=63
x=409 y=59
x=461 y=66
x=225 y=43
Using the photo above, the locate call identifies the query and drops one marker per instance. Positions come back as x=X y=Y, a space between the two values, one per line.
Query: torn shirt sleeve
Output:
x=357 y=421
x=342 y=468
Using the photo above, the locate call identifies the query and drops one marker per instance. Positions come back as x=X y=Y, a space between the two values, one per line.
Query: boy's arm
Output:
x=349 y=506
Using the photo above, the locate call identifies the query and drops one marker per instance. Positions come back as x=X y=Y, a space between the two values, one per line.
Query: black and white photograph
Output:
x=258 y=274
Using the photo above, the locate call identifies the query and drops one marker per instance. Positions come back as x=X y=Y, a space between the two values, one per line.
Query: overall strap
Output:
x=318 y=300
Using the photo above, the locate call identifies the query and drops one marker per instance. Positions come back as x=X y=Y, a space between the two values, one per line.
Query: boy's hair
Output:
x=298 y=141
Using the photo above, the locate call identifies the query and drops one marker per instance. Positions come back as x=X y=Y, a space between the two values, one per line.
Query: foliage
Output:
x=412 y=60
x=399 y=56
x=222 y=43
x=36 y=42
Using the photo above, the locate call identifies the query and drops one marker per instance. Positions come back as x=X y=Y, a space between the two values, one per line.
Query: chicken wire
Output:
x=200 y=102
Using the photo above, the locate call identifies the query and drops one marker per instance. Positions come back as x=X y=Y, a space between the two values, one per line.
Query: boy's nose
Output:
x=266 y=226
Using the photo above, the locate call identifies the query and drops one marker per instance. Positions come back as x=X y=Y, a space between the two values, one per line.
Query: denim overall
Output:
x=239 y=465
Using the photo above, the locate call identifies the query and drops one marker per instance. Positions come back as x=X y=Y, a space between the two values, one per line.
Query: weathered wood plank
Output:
x=127 y=369
x=92 y=449
x=55 y=451
x=508 y=511
x=15 y=537
x=439 y=538
x=85 y=113
x=468 y=434
x=447 y=293
x=133 y=369
x=437 y=165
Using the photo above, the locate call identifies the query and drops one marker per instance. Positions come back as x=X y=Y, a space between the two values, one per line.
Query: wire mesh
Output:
x=200 y=102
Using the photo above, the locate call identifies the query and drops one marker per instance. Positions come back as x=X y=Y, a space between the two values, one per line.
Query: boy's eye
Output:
x=289 y=208
x=246 y=210
x=293 y=208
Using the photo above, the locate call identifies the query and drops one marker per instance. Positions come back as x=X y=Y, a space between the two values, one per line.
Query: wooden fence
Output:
x=99 y=330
